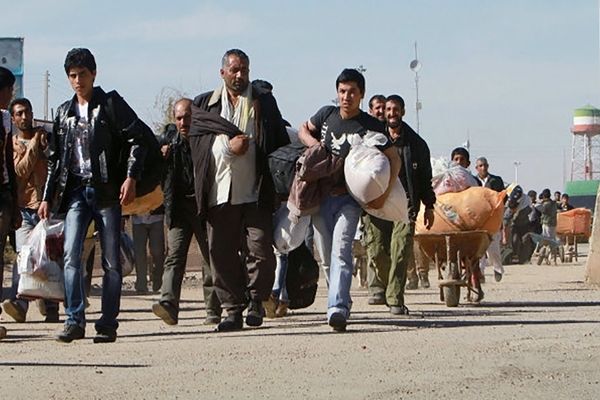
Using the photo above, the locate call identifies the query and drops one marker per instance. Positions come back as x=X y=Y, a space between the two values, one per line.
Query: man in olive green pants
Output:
x=390 y=244
x=389 y=249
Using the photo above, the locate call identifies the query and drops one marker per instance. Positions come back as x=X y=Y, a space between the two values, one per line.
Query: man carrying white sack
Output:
x=390 y=244
x=335 y=223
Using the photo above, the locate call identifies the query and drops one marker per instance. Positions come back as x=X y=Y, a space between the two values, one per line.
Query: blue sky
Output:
x=507 y=74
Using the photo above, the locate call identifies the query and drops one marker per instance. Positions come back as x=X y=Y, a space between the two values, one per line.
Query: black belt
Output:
x=85 y=181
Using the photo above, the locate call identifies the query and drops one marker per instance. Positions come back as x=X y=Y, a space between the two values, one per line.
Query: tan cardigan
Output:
x=31 y=168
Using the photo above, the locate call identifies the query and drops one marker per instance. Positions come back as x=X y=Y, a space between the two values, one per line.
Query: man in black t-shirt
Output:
x=335 y=223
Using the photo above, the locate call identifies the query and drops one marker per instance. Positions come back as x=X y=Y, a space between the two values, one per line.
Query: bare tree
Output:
x=162 y=111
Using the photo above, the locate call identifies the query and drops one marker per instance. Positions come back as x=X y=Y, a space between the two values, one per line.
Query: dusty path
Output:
x=536 y=335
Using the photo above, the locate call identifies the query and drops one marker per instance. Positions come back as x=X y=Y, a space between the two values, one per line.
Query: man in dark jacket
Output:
x=183 y=221
x=97 y=151
x=493 y=256
x=389 y=244
x=233 y=130
x=10 y=217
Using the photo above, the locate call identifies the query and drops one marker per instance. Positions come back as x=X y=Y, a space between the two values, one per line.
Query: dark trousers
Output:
x=185 y=223
x=234 y=230
x=150 y=236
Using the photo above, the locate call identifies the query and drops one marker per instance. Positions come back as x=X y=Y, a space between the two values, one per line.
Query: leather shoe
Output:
x=165 y=311
x=255 y=314
x=376 y=299
x=105 y=336
x=338 y=322
x=70 y=333
x=233 y=322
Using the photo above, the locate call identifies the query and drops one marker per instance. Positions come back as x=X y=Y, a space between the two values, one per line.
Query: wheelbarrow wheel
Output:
x=452 y=293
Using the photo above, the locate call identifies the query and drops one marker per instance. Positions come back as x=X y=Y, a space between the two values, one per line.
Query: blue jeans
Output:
x=335 y=226
x=81 y=210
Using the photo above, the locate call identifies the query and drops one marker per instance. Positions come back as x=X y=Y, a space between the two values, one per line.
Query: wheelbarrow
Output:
x=456 y=256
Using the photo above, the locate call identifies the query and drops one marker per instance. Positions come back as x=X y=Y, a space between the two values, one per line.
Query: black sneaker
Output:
x=70 y=333
x=256 y=313
x=105 y=336
x=338 y=322
x=233 y=322
x=165 y=311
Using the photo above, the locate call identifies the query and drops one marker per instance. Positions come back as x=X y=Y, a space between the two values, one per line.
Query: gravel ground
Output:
x=535 y=335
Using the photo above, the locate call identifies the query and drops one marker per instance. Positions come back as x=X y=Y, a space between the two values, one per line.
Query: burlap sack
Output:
x=476 y=208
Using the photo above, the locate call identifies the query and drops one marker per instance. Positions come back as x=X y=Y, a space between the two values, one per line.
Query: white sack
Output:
x=288 y=235
x=395 y=207
x=367 y=170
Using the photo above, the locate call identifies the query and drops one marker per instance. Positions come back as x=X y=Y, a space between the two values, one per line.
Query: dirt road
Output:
x=535 y=335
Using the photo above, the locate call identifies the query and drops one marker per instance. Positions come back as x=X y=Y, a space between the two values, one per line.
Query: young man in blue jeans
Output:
x=97 y=151
x=335 y=223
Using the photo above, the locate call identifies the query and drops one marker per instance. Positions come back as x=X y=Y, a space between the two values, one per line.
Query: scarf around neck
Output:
x=242 y=115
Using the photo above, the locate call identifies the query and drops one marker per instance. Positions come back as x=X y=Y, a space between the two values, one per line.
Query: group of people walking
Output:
x=217 y=188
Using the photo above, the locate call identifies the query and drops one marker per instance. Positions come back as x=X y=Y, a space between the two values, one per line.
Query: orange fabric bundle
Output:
x=577 y=221
x=146 y=203
x=475 y=208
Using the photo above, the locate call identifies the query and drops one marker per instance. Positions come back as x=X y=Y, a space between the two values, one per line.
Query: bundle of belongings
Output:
x=461 y=204
x=448 y=177
x=367 y=173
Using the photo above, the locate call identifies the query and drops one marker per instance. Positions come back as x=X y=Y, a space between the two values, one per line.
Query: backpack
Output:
x=302 y=277
x=154 y=167
x=282 y=164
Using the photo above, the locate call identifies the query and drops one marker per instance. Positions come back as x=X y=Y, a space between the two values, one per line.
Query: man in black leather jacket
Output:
x=97 y=151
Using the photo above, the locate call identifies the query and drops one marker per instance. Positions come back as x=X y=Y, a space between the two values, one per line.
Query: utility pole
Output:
x=415 y=66
x=46 y=88
x=362 y=70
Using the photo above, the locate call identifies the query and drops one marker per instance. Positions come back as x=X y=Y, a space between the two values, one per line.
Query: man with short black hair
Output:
x=10 y=217
x=564 y=203
x=377 y=107
x=337 y=219
x=97 y=151
x=31 y=165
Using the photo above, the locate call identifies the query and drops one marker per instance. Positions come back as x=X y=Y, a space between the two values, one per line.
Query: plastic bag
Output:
x=44 y=246
x=452 y=179
x=127 y=254
x=367 y=170
x=288 y=235
x=40 y=262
